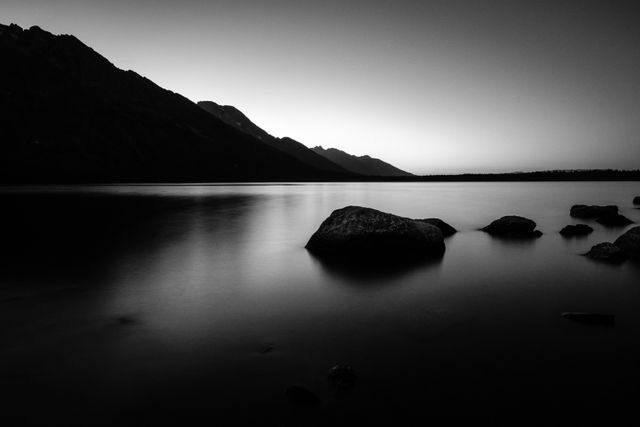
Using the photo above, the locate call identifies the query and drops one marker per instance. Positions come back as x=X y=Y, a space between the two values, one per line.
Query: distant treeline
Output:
x=553 y=175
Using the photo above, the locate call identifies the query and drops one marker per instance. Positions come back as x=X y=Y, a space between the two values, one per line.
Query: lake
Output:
x=144 y=304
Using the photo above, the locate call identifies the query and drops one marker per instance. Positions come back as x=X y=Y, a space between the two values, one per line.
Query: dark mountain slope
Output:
x=234 y=117
x=364 y=165
x=69 y=115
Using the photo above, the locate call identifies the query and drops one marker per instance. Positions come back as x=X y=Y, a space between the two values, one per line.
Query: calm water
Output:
x=130 y=304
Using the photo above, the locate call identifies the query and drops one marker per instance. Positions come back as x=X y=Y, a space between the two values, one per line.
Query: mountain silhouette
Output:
x=363 y=165
x=69 y=115
x=330 y=160
x=234 y=117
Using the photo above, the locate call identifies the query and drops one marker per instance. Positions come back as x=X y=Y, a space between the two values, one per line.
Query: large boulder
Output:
x=445 y=228
x=614 y=220
x=576 y=230
x=356 y=231
x=630 y=241
x=512 y=226
x=607 y=252
x=593 y=211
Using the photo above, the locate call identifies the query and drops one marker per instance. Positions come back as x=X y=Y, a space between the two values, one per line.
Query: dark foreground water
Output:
x=199 y=305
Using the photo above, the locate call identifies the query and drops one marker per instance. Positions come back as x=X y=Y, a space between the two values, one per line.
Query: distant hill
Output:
x=68 y=115
x=234 y=117
x=364 y=165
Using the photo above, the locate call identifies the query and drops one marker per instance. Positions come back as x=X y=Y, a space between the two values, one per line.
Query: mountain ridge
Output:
x=67 y=114
x=364 y=165
x=234 y=117
x=317 y=157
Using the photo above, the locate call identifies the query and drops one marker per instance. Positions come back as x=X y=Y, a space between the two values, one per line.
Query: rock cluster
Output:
x=356 y=231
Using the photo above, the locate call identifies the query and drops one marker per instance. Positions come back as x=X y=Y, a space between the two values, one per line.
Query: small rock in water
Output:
x=301 y=396
x=630 y=241
x=614 y=220
x=343 y=376
x=607 y=252
x=593 y=211
x=513 y=226
x=591 y=318
x=576 y=230
x=445 y=228
x=636 y=200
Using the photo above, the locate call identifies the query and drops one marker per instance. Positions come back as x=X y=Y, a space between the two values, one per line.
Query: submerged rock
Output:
x=592 y=211
x=607 y=252
x=364 y=232
x=127 y=320
x=630 y=241
x=636 y=200
x=267 y=349
x=513 y=226
x=445 y=228
x=591 y=318
x=343 y=376
x=576 y=230
x=614 y=220
x=301 y=396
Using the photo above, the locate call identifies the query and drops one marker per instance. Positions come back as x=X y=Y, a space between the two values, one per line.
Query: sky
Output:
x=444 y=86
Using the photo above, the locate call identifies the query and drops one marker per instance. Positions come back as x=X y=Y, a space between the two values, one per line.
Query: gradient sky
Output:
x=430 y=86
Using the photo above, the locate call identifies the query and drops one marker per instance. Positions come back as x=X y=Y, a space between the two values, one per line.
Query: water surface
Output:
x=129 y=304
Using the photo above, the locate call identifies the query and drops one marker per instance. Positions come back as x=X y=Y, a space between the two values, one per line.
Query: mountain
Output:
x=363 y=165
x=234 y=117
x=69 y=115
x=330 y=160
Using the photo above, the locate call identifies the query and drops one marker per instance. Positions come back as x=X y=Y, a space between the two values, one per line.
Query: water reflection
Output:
x=151 y=304
x=372 y=271
x=79 y=240
x=40 y=222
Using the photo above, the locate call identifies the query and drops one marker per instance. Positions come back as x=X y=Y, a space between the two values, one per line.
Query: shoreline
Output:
x=599 y=175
